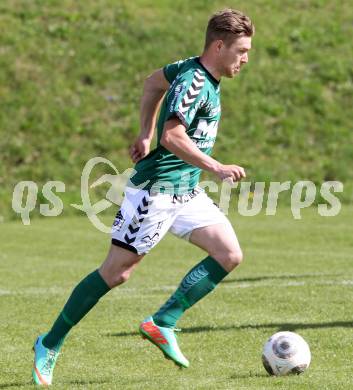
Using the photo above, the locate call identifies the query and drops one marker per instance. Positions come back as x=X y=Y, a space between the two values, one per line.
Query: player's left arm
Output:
x=155 y=87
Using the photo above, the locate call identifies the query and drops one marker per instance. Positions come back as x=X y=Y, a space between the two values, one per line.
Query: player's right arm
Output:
x=154 y=89
x=175 y=139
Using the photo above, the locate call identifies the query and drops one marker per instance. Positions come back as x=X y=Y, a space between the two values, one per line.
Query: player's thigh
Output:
x=202 y=223
x=118 y=265
x=219 y=241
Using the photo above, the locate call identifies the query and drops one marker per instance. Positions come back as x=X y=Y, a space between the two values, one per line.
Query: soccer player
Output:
x=163 y=195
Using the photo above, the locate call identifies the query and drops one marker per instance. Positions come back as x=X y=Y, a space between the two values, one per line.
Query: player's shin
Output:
x=84 y=296
x=196 y=284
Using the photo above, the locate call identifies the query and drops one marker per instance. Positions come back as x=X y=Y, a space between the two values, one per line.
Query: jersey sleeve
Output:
x=171 y=70
x=184 y=96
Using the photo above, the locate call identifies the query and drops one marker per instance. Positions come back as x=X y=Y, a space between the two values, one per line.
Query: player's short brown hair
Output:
x=228 y=25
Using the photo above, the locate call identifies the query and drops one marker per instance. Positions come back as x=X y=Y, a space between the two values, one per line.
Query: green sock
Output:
x=197 y=283
x=84 y=296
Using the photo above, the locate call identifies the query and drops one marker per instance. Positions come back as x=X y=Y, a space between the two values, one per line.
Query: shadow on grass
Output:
x=138 y=383
x=87 y=382
x=249 y=375
x=277 y=277
x=289 y=326
x=73 y=383
x=16 y=384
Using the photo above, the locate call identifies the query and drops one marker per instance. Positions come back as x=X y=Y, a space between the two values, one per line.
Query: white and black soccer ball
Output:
x=286 y=353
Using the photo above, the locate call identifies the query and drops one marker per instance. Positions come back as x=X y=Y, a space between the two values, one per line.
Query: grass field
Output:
x=298 y=275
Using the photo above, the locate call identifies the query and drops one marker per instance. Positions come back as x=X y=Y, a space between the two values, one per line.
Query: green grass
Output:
x=71 y=75
x=298 y=275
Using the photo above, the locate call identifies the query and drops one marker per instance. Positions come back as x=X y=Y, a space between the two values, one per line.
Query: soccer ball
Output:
x=286 y=353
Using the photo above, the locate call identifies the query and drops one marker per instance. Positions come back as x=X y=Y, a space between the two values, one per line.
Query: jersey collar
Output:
x=197 y=59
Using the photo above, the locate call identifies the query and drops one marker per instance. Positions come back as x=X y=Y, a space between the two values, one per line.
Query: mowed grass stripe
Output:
x=140 y=292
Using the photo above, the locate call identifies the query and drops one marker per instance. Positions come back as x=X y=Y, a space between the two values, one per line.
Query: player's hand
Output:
x=139 y=149
x=231 y=173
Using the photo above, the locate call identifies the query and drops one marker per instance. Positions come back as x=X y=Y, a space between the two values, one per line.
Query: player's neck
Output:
x=207 y=63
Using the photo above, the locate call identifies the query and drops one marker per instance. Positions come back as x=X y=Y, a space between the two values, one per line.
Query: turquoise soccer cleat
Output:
x=44 y=362
x=165 y=340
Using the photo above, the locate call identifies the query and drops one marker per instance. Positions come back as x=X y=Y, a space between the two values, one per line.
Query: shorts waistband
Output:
x=183 y=198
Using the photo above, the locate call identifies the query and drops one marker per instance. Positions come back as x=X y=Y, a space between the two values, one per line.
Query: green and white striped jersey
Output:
x=194 y=98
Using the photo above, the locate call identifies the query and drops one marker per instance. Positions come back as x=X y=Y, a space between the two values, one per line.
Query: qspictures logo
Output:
x=252 y=198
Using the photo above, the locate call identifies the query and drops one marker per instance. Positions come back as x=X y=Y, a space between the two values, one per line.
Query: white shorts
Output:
x=144 y=217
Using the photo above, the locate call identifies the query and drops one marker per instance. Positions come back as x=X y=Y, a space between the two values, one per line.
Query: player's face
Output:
x=234 y=56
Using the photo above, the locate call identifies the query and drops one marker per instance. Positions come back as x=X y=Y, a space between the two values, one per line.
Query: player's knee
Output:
x=118 y=266
x=124 y=277
x=119 y=278
x=234 y=258
x=237 y=257
x=230 y=258
x=115 y=277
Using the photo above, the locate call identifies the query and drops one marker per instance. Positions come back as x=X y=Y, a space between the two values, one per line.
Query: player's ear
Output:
x=218 y=45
